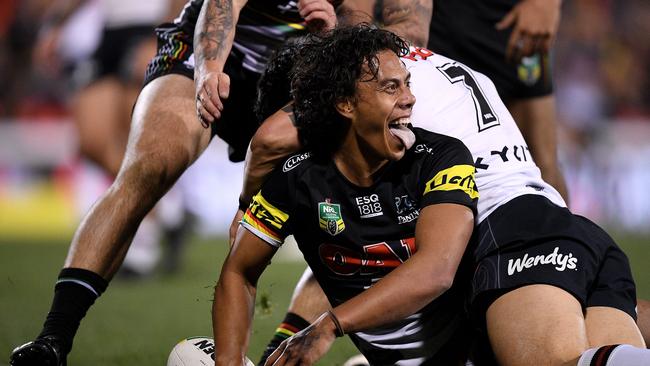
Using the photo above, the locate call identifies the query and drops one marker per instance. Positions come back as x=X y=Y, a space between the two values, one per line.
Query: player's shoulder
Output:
x=432 y=141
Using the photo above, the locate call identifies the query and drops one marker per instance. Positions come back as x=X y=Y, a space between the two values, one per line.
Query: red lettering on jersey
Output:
x=340 y=260
x=375 y=257
x=420 y=52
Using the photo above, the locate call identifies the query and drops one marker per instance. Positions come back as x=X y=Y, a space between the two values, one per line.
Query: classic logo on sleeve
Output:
x=329 y=217
x=265 y=218
x=458 y=177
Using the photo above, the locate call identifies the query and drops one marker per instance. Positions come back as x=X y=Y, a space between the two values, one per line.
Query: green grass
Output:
x=137 y=323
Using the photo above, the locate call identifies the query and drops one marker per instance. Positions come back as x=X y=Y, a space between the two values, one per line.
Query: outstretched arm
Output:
x=234 y=297
x=442 y=234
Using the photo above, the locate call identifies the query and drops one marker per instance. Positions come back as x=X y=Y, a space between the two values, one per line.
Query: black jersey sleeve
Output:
x=267 y=216
x=447 y=173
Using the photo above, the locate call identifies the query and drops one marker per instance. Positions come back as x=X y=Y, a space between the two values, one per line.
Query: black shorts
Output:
x=530 y=240
x=114 y=55
x=238 y=122
x=464 y=31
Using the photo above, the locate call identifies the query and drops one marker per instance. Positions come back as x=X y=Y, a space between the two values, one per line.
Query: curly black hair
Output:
x=326 y=72
x=274 y=86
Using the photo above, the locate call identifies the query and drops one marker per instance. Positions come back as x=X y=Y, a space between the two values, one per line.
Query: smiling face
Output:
x=381 y=109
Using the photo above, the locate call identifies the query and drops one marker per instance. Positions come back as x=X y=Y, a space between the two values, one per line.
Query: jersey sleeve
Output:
x=448 y=176
x=267 y=216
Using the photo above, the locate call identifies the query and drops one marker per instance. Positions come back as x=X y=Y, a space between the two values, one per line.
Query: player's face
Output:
x=382 y=109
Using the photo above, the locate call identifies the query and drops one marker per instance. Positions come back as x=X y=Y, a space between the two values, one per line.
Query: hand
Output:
x=234 y=226
x=211 y=89
x=535 y=27
x=319 y=15
x=307 y=346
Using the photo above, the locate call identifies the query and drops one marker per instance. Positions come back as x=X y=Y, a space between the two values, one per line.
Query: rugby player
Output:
x=510 y=41
x=342 y=199
x=521 y=292
x=225 y=56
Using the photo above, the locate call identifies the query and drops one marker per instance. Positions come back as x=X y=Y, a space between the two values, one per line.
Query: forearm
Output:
x=442 y=233
x=368 y=309
x=214 y=33
x=409 y=19
x=232 y=313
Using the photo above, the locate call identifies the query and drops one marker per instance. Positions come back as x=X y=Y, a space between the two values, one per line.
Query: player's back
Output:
x=454 y=100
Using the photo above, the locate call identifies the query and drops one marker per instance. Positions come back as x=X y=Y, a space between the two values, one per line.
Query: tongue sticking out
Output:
x=404 y=134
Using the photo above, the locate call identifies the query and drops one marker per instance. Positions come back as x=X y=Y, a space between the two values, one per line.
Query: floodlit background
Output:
x=602 y=78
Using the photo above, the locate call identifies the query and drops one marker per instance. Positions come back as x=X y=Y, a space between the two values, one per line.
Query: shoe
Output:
x=40 y=352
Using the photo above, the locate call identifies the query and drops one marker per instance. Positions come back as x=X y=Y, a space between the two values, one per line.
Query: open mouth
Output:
x=399 y=129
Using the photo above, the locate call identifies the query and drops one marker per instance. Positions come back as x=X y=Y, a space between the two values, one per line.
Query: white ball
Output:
x=195 y=351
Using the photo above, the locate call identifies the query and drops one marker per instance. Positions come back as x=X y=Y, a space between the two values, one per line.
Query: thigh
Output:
x=166 y=136
x=607 y=325
x=536 y=325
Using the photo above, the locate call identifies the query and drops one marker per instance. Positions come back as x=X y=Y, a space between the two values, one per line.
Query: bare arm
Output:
x=234 y=297
x=276 y=138
x=213 y=38
x=409 y=19
x=442 y=233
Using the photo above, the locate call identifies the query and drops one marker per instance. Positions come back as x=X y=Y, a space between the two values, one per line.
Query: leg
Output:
x=537 y=325
x=165 y=139
x=537 y=121
x=607 y=325
x=102 y=123
x=643 y=321
x=307 y=304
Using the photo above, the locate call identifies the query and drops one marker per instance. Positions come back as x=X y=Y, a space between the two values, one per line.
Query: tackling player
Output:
x=351 y=202
x=223 y=45
x=543 y=273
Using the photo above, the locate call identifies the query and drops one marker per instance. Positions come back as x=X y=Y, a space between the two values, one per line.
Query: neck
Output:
x=358 y=165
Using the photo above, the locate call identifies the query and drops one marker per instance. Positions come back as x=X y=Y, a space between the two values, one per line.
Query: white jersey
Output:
x=454 y=100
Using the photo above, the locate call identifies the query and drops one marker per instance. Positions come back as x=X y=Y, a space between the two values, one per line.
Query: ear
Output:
x=345 y=108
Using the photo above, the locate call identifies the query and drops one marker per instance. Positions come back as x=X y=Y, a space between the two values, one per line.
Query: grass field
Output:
x=137 y=323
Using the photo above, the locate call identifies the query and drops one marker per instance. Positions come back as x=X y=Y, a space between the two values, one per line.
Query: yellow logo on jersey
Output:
x=268 y=214
x=458 y=177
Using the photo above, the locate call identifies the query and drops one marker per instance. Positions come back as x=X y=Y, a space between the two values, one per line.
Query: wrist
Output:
x=338 y=330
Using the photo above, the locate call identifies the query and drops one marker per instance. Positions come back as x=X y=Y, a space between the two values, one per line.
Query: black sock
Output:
x=75 y=291
x=292 y=324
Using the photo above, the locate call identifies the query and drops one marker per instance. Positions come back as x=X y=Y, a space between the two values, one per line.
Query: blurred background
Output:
x=602 y=79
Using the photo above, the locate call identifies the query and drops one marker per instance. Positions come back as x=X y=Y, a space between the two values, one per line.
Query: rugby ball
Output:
x=195 y=351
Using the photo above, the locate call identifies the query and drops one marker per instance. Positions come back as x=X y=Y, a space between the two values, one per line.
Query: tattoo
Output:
x=409 y=18
x=214 y=30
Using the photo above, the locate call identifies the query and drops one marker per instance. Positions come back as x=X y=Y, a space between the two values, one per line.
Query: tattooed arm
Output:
x=213 y=38
x=409 y=19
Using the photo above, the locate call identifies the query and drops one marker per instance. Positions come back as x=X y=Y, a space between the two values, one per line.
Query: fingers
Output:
x=318 y=14
x=507 y=20
x=213 y=89
x=276 y=355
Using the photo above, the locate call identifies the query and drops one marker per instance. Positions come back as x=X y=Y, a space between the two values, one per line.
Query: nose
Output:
x=407 y=99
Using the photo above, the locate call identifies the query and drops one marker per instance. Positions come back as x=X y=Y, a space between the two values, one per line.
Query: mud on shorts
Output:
x=238 y=122
x=529 y=240
x=464 y=31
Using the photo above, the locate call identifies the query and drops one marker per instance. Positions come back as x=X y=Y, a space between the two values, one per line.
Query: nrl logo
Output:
x=329 y=217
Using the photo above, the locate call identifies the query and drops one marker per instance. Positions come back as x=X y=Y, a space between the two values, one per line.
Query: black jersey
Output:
x=263 y=26
x=353 y=236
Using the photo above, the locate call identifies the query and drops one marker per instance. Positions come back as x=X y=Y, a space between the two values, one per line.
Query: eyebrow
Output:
x=396 y=80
